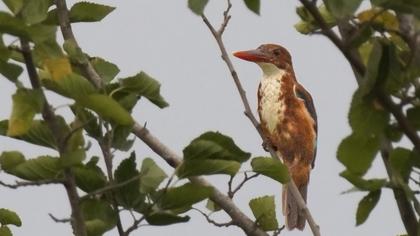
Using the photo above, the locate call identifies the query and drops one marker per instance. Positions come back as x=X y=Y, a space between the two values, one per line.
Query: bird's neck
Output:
x=272 y=73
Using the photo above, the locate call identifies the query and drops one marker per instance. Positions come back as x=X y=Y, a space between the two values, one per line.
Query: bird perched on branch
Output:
x=288 y=120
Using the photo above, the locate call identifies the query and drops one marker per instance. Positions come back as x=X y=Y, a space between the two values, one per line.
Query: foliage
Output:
x=385 y=109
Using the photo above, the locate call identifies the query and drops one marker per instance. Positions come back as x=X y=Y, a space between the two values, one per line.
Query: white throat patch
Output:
x=271 y=106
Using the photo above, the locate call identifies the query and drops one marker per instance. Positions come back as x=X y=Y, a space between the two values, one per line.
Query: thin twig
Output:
x=19 y=184
x=57 y=220
x=211 y=221
x=105 y=145
x=231 y=193
x=248 y=112
x=134 y=226
x=278 y=231
x=111 y=187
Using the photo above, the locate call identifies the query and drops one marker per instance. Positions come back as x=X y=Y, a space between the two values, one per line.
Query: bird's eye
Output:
x=276 y=52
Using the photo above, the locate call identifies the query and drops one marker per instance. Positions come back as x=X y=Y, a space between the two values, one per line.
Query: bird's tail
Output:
x=294 y=217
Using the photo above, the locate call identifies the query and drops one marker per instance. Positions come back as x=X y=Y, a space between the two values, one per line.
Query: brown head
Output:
x=268 y=53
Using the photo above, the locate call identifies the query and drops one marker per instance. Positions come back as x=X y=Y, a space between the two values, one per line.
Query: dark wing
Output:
x=301 y=93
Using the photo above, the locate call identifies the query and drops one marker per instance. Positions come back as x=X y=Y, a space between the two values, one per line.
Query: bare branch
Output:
x=248 y=112
x=134 y=226
x=227 y=224
x=19 y=184
x=231 y=193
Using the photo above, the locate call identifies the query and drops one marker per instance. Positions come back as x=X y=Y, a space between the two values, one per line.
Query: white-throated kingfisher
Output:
x=288 y=120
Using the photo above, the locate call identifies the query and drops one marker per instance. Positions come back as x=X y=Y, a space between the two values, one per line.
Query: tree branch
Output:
x=78 y=223
x=405 y=208
x=19 y=184
x=243 y=221
x=248 y=112
x=66 y=30
x=105 y=145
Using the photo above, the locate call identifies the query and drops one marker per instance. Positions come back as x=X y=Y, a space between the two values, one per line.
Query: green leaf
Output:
x=106 y=70
x=357 y=153
x=14 y=5
x=75 y=53
x=26 y=103
x=308 y=24
x=72 y=158
x=400 y=161
x=151 y=176
x=366 y=205
x=363 y=184
x=98 y=215
x=107 y=108
x=89 y=177
x=183 y=196
x=8 y=217
x=13 y=26
x=214 y=146
x=89 y=12
x=128 y=195
x=9 y=160
x=144 y=85
x=190 y=168
x=89 y=121
x=39 y=134
x=393 y=132
x=212 y=206
x=379 y=17
x=253 y=5
x=264 y=211
x=165 y=218
x=120 y=138
x=413 y=116
x=271 y=168
x=10 y=70
x=40 y=33
x=342 y=9
x=408 y=6
x=34 y=12
x=197 y=6
x=5 y=231
x=72 y=85
x=40 y=168
x=366 y=118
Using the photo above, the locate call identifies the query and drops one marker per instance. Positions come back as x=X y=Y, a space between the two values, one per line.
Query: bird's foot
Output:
x=266 y=144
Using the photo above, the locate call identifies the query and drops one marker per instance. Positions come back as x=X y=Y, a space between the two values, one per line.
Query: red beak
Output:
x=251 y=55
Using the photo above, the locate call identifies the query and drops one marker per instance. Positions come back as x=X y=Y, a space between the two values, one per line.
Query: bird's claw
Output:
x=266 y=145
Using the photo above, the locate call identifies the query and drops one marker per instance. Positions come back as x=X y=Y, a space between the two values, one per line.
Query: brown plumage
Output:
x=288 y=120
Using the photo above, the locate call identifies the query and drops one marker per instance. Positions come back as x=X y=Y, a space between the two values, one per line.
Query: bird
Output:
x=288 y=121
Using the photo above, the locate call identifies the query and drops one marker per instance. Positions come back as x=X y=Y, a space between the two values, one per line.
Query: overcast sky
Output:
x=166 y=40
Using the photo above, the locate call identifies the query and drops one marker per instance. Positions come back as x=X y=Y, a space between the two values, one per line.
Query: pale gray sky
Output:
x=167 y=41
